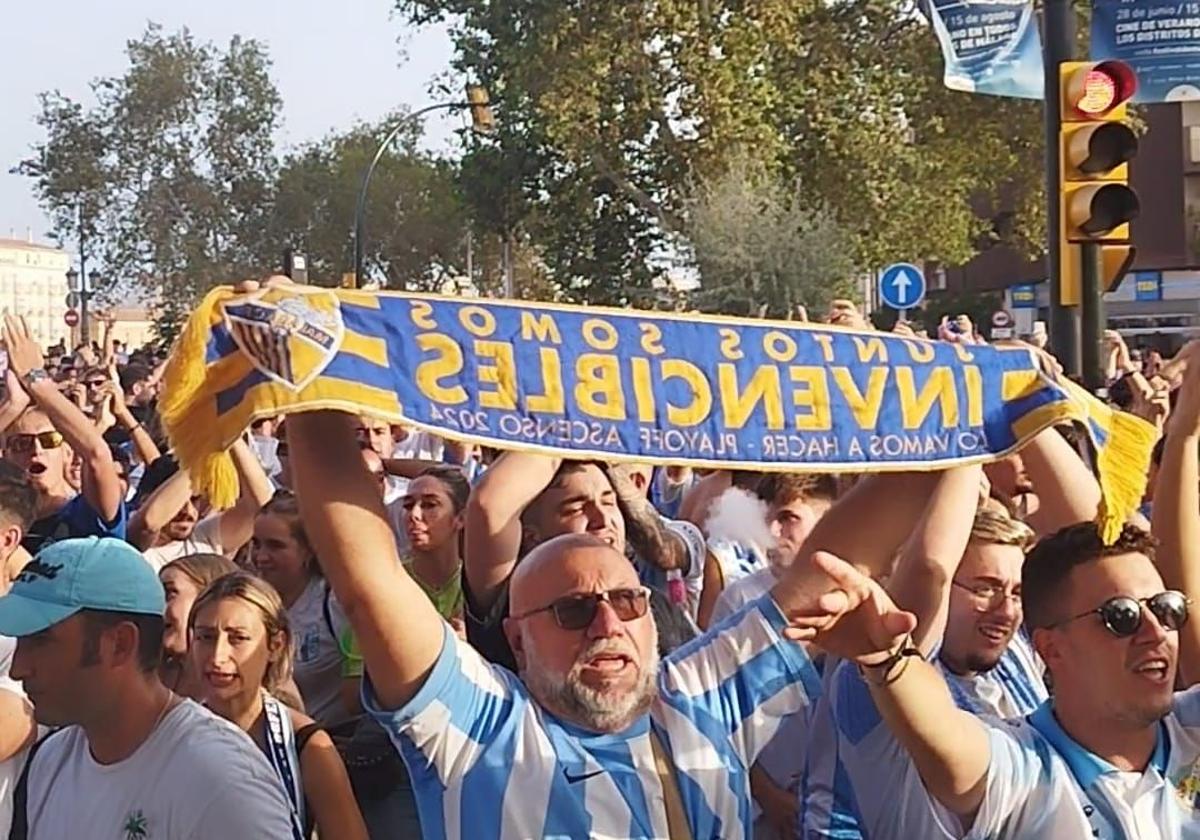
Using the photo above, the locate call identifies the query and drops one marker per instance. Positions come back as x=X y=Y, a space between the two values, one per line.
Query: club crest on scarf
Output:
x=290 y=336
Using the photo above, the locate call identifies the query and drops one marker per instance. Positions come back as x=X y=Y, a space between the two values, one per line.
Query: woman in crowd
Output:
x=433 y=521
x=241 y=650
x=183 y=580
x=281 y=554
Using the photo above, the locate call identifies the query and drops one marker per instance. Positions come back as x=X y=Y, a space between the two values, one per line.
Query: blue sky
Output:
x=334 y=63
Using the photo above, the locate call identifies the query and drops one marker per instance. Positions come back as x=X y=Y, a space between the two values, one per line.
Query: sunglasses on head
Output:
x=1122 y=616
x=575 y=612
x=24 y=443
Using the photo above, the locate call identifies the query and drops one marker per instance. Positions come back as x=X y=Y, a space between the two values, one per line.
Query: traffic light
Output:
x=1095 y=147
x=483 y=120
x=1116 y=260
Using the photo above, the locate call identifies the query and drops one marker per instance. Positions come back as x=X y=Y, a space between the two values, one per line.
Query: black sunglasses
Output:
x=575 y=612
x=1122 y=615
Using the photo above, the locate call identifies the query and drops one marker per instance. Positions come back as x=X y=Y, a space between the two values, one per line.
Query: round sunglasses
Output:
x=575 y=612
x=1123 y=615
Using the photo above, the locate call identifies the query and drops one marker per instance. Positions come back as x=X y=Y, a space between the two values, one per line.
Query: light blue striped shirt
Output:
x=845 y=780
x=1043 y=785
x=487 y=761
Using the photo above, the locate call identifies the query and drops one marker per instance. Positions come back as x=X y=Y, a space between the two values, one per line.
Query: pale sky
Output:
x=334 y=62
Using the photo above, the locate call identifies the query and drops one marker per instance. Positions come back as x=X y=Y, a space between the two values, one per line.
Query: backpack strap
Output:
x=678 y=827
x=20 y=817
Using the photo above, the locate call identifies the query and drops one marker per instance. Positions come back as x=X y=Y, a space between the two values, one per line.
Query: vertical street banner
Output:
x=1160 y=39
x=990 y=46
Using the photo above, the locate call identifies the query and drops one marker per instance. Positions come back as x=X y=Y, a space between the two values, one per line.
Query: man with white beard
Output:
x=594 y=738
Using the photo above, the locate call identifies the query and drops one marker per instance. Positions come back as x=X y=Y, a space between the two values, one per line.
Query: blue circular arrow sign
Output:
x=902 y=286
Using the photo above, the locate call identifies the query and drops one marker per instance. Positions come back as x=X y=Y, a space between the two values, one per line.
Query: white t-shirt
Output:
x=196 y=776
x=10 y=770
x=319 y=663
x=205 y=539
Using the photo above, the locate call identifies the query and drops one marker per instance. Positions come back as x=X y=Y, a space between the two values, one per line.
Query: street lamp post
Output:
x=77 y=282
x=481 y=119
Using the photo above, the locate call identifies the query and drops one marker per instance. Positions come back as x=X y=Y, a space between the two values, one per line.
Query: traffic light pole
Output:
x=1091 y=306
x=1058 y=37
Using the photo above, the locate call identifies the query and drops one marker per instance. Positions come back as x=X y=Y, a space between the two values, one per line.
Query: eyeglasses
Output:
x=96 y=383
x=575 y=612
x=989 y=596
x=24 y=443
x=1123 y=615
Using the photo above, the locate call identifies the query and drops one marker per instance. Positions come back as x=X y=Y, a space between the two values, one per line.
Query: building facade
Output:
x=33 y=283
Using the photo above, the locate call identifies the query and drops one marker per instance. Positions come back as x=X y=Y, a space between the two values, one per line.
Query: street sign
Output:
x=1147 y=285
x=71 y=317
x=902 y=286
x=1002 y=325
x=1024 y=296
x=72 y=300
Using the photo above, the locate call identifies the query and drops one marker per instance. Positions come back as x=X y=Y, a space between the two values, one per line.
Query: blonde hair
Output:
x=201 y=569
x=997 y=528
x=257 y=593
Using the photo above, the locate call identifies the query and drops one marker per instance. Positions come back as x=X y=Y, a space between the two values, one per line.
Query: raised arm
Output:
x=645 y=528
x=143 y=444
x=396 y=626
x=1067 y=491
x=237 y=523
x=921 y=580
x=872 y=519
x=1176 y=513
x=101 y=487
x=949 y=747
x=158 y=509
x=856 y=620
x=407 y=467
x=14 y=401
x=492 y=529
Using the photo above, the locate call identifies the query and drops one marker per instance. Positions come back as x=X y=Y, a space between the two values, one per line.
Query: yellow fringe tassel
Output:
x=187 y=412
x=1123 y=464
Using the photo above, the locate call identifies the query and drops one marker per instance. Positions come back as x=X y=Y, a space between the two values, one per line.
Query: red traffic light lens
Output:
x=1099 y=92
x=1096 y=89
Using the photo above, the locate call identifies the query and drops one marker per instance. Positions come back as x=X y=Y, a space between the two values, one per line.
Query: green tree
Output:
x=627 y=104
x=171 y=171
x=761 y=249
x=416 y=224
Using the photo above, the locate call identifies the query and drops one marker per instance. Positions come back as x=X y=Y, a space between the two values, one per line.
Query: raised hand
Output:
x=24 y=354
x=14 y=400
x=1185 y=419
x=855 y=620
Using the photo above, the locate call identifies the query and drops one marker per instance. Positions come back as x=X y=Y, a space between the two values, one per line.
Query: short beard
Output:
x=1141 y=717
x=596 y=710
x=980 y=664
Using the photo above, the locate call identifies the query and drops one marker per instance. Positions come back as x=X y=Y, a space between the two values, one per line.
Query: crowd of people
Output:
x=391 y=635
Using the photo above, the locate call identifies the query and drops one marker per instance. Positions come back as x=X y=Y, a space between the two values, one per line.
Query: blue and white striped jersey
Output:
x=487 y=761
x=736 y=559
x=1043 y=785
x=866 y=759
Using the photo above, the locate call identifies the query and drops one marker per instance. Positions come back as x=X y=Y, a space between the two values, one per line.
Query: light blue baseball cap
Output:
x=91 y=573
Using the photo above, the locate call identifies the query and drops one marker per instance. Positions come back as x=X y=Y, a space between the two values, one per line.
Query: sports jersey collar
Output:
x=598 y=740
x=1085 y=765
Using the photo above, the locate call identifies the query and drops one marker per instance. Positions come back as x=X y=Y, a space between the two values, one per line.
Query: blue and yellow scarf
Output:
x=624 y=385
